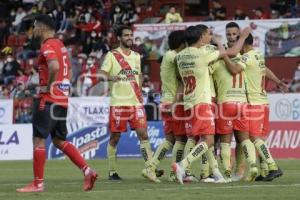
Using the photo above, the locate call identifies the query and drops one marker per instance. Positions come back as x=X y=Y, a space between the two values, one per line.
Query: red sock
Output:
x=39 y=159
x=74 y=155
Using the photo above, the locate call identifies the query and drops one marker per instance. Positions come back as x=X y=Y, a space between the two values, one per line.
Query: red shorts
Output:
x=200 y=120
x=232 y=116
x=173 y=119
x=120 y=115
x=258 y=120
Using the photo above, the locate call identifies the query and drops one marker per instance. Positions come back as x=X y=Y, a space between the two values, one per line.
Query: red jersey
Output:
x=54 y=49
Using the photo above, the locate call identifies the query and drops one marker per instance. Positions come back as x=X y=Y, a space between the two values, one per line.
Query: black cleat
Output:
x=260 y=178
x=273 y=174
x=159 y=172
x=114 y=177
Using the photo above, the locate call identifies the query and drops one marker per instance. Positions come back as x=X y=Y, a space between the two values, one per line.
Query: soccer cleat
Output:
x=150 y=174
x=208 y=179
x=253 y=172
x=273 y=174
x=32 y=187
x=159 y=172
x=190 y=178
x=114 y=176
x=89 y=180
x=179 y=172
x=227 y=176
x=260 y=178
x=218 y=176
x=237 y=177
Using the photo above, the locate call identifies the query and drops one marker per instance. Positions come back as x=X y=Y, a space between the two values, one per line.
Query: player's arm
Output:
x=233 y=67
x=104 y=72
x=233 y=51
x=270 y=75
x=104 y=76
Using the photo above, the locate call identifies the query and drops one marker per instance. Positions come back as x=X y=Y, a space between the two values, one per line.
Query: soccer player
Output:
x=171 y=107
x=122 y=67
x=232 y=108
x=193 y=64
x=256 y=72
x=50 y=107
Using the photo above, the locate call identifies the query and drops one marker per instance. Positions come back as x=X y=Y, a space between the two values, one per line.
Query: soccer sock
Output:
x=146 y=152
x=264 y=170
x=239 y=158
x=212 y=161
x=112 y=158
x=190 y=144
x=249 y=152
x=160 y=153
x=225 y=156
x=195 y=154
x=39 y=159
x=264 y=152
x=74 y=155
x=204 y=166
x=177 y=152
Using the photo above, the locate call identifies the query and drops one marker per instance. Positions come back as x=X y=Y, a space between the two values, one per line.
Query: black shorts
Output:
x=51 y=119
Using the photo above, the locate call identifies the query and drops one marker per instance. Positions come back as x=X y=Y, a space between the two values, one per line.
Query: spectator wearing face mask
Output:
x=11 y=69
x=239 y=14
x=117 y=15
x=17 y=23
x=260 y=14
x=88 y=76
x=295 y=85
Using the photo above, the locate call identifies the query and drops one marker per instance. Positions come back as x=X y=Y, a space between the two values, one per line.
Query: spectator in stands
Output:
x=239 y=14
x=275 y=14
x=60 y=17
x=218 y=11
x=295 y=85
x=140 y=47
x=4 y=92
x=130 y=15
x=4 y=31
x=17 y=23
x=11 y=69
x=117 y=15
x=88 y=76
x=260 y=14
x=173 y=16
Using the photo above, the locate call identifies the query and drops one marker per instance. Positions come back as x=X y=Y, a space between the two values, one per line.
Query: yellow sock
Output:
x=160 y=153
x=195 y=154
x=177 y=153
x=204 y=166
x=239 y=159
x=265 y=154
x=212 y=161
x=111 y=156
x=249 y=152
x=225 y=156
x=146 y=152
x=190 y=144
x=264 y=170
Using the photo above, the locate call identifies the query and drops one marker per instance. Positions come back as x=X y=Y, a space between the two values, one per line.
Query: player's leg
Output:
x=177 y=153
x=42 y=124
x=225 y=155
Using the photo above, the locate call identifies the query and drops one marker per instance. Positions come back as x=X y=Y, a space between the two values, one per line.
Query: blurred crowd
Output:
x=87 y=27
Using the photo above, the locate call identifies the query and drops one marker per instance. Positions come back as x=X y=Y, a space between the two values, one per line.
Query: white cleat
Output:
x=207 y=180
x=218 y=176
x=177 y=169
x=150 y=174
x=236 y=177
x=190 y=178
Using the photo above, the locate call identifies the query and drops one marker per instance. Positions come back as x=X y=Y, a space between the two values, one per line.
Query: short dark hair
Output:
x=194 y=33
x=119 y=30
x=176 y=39
x=46 y=20
x=249 y=40
x=232 y=25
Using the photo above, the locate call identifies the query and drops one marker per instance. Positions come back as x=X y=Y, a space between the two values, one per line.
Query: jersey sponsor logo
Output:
x=128 y=72
x=65 y=87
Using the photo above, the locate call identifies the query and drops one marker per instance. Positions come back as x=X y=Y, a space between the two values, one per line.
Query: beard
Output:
x=127 y=43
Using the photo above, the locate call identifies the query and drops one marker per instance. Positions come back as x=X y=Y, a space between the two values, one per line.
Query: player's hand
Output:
x=245 y=32
x=283 y=87
x=217 y=39
x=114 y=78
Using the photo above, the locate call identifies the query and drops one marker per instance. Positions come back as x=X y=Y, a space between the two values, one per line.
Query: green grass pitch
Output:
x=64 y=181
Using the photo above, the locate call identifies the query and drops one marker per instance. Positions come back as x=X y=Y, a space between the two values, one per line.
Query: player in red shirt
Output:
x=50 y=107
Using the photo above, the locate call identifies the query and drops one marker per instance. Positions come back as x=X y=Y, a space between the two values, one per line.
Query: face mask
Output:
x=12 y=13
x=93 y=34
x=9 y=59
x=30 y=62
x=80 y=61
x=118 y=10
x=299 y=67
x=90 y=10
x=138 y=43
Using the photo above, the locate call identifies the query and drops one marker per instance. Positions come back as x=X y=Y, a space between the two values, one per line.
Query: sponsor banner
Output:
x=87 y=111
x=284 y=140
x=16 y=142
x=92 y=141
x=278 y=37
x=6 y=111
x=284 y=107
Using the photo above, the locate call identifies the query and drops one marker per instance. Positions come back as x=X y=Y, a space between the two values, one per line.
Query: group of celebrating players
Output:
x=210 y=92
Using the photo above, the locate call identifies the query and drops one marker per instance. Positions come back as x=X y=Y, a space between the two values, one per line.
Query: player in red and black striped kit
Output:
x=50 y=107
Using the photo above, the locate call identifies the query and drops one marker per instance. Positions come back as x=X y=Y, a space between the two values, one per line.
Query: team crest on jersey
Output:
x=140 y=113
x=245 y=58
